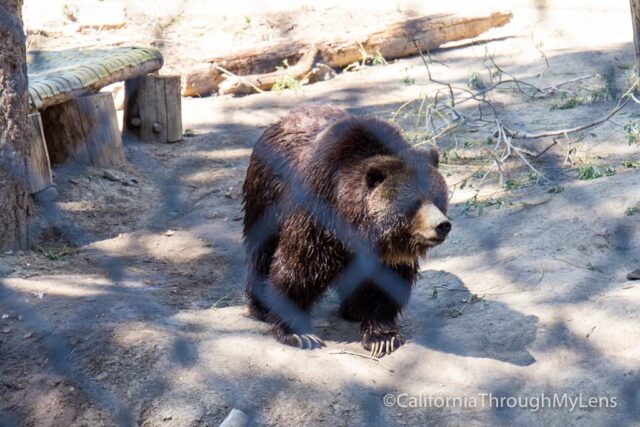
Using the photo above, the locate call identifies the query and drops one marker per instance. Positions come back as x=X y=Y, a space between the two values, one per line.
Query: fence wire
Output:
x=365 y=265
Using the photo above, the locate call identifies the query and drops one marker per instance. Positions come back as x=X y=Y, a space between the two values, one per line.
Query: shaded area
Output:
x=163 y=339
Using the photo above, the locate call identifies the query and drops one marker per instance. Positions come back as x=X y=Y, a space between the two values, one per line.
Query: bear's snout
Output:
x=443 y=229
x=431 y=224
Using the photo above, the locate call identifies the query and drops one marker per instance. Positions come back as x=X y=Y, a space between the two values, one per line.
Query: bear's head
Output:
x=406 y=204
x=391 y=191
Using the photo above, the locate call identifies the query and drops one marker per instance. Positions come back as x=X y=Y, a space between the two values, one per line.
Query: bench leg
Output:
x=152 y=109
x=84 y=131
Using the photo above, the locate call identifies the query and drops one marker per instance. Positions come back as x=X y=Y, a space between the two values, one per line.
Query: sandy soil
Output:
x=130 y=310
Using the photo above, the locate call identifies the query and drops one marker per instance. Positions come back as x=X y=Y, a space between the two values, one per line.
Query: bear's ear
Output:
x=375 y=176
x=434 y=156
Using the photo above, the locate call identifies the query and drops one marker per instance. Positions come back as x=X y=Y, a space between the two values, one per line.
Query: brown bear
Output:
x=333 y=200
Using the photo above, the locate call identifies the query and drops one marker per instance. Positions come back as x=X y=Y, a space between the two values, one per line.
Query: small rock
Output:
x=107 y=174
x=74 y=181
x=232 y=193
x=27 y=335
x=236 y=418
x=20 y=317
x=134 y=180
x=169 y=233
x=5 y=316
x=634 y=275
x=6 y=330
x=126 y=183
x=9 y=253
x=166 y=416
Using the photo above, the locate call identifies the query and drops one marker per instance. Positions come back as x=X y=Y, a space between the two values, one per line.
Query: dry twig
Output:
x=450 y=118
x=364 y=356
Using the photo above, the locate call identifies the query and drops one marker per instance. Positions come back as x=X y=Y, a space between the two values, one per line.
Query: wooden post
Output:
x=152 y=108
x=635 y=20
x=38 y=164
x=84 y=131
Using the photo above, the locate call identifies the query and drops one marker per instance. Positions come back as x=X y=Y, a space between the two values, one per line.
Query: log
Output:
x=152 y=109
x=243 y=85
x=395 y=41
x=203 y=79
x=38 y=164
x=84 y=131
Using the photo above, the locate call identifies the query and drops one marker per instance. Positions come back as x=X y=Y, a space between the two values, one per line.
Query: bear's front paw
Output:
x=380 y=337
x=304 y=341
x=383 y=344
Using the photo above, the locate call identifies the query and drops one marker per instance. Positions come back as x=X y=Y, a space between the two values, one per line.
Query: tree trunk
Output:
x=14 y=145
x=635 y=20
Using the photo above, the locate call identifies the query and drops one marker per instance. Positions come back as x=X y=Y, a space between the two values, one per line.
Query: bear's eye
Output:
x=374 y=177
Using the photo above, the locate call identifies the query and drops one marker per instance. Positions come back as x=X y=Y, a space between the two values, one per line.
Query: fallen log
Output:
x=395 y=41
x=244 y=85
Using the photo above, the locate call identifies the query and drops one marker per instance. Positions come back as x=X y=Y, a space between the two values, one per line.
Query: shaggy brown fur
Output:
x=335 y=200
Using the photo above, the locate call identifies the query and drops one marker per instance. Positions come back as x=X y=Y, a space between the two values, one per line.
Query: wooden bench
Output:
x=71 y=122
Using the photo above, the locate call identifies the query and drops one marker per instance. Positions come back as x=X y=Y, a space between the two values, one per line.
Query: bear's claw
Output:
x=383 y=344
x=303 y=341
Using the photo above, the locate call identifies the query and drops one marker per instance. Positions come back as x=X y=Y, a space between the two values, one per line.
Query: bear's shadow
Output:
x=443 y=315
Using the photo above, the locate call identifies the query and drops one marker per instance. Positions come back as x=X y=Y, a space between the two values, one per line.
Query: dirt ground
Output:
x=130 y=309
